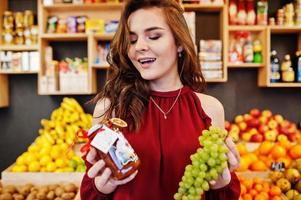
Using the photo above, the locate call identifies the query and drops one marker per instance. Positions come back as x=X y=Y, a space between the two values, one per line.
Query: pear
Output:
x=276 y=175
x=293 y=175
x=298 y=186
x=292 y=194
x=284 y=185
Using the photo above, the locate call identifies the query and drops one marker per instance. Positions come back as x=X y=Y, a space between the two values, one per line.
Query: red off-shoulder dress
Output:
x=164 y=147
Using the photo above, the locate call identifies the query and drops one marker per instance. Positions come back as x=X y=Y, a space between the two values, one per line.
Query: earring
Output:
x=180 y=54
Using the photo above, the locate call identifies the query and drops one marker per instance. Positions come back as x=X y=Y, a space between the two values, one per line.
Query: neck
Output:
x=167 y=86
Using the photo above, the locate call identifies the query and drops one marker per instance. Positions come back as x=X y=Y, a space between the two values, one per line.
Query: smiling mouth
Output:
x=146 y=60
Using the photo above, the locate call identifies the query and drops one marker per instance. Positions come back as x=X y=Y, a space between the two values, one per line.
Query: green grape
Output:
x=206 y=165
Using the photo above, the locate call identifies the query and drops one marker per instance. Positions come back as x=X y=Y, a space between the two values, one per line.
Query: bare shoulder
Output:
x=213 y=108
x=100 y=108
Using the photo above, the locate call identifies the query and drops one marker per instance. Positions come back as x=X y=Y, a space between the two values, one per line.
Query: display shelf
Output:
x=19 y=47
x=285 y=29
x=291 y=85
x=214 y=80
x=104 y=36
x=4 y=95
x=82 y=7
x=17 y=72
x=245 y=65
x=64 y=36
x=100 y=66
x=206 y=7
x=246 y=28
x=39 y=178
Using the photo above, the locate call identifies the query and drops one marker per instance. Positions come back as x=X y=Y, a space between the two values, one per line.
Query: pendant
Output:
x=165 y=117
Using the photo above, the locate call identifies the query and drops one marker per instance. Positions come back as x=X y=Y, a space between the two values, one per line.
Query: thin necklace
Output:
x=174 y=103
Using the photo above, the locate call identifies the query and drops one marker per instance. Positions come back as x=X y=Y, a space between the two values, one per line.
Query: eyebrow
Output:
x=150 y=29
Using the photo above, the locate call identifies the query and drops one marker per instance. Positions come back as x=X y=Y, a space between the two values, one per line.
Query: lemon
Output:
x=68 y=169
x=51 y=167
x=33 y=148
x=34 y=166
x=45 y=151
x=23 y=168
x=30 y=158
x=55 y=153
x=21 y=160
x=45 y=159
x=59 y=170
x=60 y=162
x=43 y=169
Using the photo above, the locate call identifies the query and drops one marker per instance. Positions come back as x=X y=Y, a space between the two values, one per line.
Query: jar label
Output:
x=104 y=140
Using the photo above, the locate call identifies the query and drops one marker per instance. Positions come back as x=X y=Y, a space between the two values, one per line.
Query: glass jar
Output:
x=8 y=20
x=28 y=18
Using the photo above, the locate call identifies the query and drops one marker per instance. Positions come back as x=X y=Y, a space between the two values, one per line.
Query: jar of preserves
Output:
x=19 y=38
x=19 y=19
x=28 y=18
x=114 y=148
x=8 y=20
x=8 y=36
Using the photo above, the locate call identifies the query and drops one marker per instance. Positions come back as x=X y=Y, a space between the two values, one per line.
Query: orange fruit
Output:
x=265 y=147
x=247 y=197
x=249 y=184
x=286 y=144
x=278 y=151
x=243 y=189
x=264 y=194
x=242 y=149
x=266 y=187
x=252 y=156
x=286 y=160
x=295 y=151
x=260 y=197
x=244 y=164
x=275 y=191
x=258 y=166
x=276 y=198
x=253 y=192
x=258 y=187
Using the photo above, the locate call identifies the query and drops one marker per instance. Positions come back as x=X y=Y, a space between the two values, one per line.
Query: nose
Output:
x=141 y=45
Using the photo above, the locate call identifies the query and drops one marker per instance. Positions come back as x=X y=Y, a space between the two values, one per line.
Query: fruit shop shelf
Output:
x=18 y=47
x=105 y=36
x=246 y=28
x=245 y=65
x=64 y=36
x=207 y=7
x=215 y=80
x=40 y=178
x=82 y=7
x=288 y=85
x=285 y=29
x=17 y=72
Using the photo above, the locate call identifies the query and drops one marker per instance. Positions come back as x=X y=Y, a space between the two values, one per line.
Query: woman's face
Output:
x=153 y=49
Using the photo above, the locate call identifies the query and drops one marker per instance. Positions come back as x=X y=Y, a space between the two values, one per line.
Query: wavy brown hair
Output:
x=127 y=92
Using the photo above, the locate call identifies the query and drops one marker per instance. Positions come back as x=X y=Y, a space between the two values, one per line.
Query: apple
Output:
x=284 y=130
x=253 y=131
x=238 y=118
x=282 y=137
x=279 y=118
x=242 y=126
x=271 y=135
x=246 y=136
x=285 y=123
x=292 y=137
x=256 y=138
x=227 y=125
x=263 y=120
x=263 y=128
x=272 y=124
x=255 y=112
x=247 y=117
x=254 y=122
x=266 y=113
x=234 y=135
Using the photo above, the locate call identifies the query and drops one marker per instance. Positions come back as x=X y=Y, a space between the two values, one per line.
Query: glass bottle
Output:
x=275 y=67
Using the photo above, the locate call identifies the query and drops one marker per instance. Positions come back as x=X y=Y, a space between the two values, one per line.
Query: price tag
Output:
x=278 y=166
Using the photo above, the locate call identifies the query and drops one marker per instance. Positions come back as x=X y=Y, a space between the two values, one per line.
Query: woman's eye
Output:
x=133 y=41
x=154 y=37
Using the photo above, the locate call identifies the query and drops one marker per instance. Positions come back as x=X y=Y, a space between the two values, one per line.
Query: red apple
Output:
x=255 y=112
x=282 y=137
x=254 y=122
x=247 y=117
x=292 y=137
x=227 y=125
x=279 y=118
x=271 y=135
x=272 y=124
x=263 y=120
x=263 y=128
x=238 y=118
x=242 y=126
x=284 y=130
x=266 y=113
x=256 y=138
x=285 y=123
x=253 y=131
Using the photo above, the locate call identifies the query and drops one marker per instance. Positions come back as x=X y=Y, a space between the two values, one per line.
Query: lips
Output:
x=146 y=60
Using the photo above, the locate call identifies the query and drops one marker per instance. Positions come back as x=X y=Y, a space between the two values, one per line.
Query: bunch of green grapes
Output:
x=206 y=164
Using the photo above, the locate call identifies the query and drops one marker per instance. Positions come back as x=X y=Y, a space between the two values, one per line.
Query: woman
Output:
x=155 y=85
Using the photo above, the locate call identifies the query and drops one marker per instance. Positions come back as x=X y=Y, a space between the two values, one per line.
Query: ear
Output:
x=180 y=49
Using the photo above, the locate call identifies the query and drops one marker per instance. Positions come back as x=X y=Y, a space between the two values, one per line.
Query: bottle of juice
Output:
x=275 y=68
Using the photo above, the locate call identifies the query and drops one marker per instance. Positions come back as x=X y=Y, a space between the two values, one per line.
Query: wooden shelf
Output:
x=100 y=66
x=291 y=85
x=245 y=65
x=17 y=72
x=105 y=36
x=64 y=36
x=19 y=47
x=83 y=7
x=207 y=7
x=246 y=28
x=285 y=29
x=215 y=80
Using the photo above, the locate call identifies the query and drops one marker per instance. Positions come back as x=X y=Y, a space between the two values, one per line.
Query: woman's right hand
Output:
x=102 y=178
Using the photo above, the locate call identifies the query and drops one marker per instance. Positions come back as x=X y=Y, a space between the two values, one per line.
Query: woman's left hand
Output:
x=233 y=163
